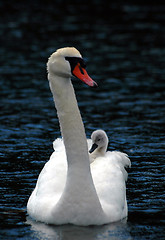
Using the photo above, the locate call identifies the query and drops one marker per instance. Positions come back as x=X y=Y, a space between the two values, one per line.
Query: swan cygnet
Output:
x=99 y=144
x=90 y=194
x=98 y=151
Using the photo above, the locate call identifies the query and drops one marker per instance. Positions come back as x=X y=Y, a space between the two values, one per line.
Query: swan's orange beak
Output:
x=82 y=74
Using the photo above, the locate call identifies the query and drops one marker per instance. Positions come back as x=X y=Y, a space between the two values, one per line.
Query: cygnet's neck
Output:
x=99 y=152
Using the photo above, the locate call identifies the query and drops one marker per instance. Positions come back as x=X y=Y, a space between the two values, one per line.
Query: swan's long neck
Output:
x=71 y=125
x=79 y=187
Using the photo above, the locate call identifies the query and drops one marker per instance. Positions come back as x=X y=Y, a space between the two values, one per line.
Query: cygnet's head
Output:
x=67 y=62
x=99 y=141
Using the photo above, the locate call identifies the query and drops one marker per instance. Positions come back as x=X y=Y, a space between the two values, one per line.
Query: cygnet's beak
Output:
x=94 y=146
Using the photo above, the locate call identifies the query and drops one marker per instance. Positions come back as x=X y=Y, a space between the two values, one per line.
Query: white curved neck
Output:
x=79 y=185
x=71 y=125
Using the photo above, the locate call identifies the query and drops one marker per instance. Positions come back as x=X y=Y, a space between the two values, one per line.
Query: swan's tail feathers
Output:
x=58 y=145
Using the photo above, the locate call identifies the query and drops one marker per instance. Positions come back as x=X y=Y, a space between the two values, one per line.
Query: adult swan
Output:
x=85 y=199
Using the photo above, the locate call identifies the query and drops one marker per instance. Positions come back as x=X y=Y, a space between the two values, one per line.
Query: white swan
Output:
x=85 y=198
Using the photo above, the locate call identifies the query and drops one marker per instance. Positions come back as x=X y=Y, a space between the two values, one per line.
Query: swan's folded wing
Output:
x=121 y=159
x=109 y=182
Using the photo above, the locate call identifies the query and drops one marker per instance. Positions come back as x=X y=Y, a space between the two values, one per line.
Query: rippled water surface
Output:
x=123 y=44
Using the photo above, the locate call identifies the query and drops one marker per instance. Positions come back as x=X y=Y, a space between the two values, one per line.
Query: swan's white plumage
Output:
x=108 y=173
x=69 y=189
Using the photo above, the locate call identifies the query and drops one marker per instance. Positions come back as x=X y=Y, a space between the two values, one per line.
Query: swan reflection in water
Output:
x=113 y=231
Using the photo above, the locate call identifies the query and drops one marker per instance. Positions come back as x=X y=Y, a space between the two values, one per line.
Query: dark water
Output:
x=124 y=45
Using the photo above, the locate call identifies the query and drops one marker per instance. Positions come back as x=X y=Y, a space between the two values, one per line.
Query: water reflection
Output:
x=115 y=231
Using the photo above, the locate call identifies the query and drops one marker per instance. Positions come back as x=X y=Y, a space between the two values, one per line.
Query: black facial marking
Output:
x=73 y=62
x=81 y=70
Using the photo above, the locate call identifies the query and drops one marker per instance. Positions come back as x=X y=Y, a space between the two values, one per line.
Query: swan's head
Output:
x=99 y=141
x=67 y=62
